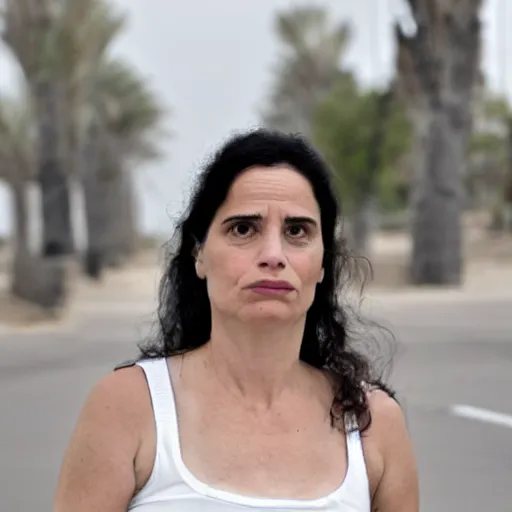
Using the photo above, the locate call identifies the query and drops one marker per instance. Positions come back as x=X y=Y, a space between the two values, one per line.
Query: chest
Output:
x=290 y=453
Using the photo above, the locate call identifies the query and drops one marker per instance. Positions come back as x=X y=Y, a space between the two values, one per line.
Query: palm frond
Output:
x=314 y=47
x=26 y=31
x=129 y=112
x=298 y=27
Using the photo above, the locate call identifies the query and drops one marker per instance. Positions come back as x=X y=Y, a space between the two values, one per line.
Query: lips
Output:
x=272 y=285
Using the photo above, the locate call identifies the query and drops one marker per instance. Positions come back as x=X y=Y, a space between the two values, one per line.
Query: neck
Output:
x=256 y=363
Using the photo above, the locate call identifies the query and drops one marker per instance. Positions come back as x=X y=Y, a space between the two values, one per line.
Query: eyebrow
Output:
x=258 y=217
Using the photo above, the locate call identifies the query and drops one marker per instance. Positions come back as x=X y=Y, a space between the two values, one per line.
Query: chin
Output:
x=268 y=313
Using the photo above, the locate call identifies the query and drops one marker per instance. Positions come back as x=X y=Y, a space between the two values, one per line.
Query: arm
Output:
x=398 y=487
x=98 y=468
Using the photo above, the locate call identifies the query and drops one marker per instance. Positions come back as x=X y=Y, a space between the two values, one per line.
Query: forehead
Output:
x=278 y=186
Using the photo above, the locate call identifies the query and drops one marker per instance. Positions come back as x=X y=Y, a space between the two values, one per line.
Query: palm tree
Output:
x=310 y=64
x=58 y=44
x=123 y=134
x=32 y=32
x=30 y=278
x=438 y=69
x=16 y=163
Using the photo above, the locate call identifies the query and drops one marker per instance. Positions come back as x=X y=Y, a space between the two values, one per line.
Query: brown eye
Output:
x=296 y=231
x=242 y=229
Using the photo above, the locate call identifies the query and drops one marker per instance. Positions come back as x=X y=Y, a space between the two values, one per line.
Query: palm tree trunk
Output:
x=111 y=220
x=55 y=194
x=122 y=219
x=19 y=282
x=364 y=221
x=34 y=279
x=436 y=200
x=96 y=206
x=438 y=70
x=20 y=217
x=96 y=202
x=507 y=203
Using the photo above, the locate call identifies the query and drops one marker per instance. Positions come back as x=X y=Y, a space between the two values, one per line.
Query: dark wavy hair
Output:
x=333 y=339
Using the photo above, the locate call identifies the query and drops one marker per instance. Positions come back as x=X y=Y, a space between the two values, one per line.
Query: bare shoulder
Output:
x=120 y=391
x=117 y=401
x=386 y=412
x=98 y=468
x=392 y=465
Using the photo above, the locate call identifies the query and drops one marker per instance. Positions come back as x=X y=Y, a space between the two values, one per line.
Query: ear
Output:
x=199 y=263
x=322 y=274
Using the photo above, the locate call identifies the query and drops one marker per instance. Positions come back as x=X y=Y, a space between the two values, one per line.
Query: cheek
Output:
x=226 y=267
x=309 y=267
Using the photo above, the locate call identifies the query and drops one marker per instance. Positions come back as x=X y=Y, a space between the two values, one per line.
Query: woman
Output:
x=252 y=396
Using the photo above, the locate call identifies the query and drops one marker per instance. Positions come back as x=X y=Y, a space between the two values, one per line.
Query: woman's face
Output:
x=262 y=257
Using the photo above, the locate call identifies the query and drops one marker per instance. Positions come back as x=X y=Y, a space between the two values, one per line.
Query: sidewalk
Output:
x=483 y=281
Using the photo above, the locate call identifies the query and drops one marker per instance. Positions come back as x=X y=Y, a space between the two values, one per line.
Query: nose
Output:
x=272 y=255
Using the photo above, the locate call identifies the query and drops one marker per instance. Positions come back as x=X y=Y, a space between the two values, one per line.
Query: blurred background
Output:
x=109 y=108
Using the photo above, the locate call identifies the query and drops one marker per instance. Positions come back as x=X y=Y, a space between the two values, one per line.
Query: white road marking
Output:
x=483 y=415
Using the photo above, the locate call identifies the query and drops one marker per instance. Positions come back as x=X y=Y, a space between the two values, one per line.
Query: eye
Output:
x=296 y=231
x=242 y=229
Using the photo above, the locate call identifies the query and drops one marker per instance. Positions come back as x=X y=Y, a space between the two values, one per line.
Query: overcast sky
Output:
x=211 y=62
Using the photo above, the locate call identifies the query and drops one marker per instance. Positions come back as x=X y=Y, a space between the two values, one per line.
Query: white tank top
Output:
x=172 y=487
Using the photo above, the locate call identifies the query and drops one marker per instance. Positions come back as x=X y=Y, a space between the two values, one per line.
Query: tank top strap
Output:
x=355 y=452
x=160 y=388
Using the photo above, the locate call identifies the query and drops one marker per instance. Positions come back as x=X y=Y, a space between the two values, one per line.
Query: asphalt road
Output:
x=451 y=352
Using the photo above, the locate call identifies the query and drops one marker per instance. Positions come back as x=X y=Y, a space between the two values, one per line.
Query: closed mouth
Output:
x=273 y=285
